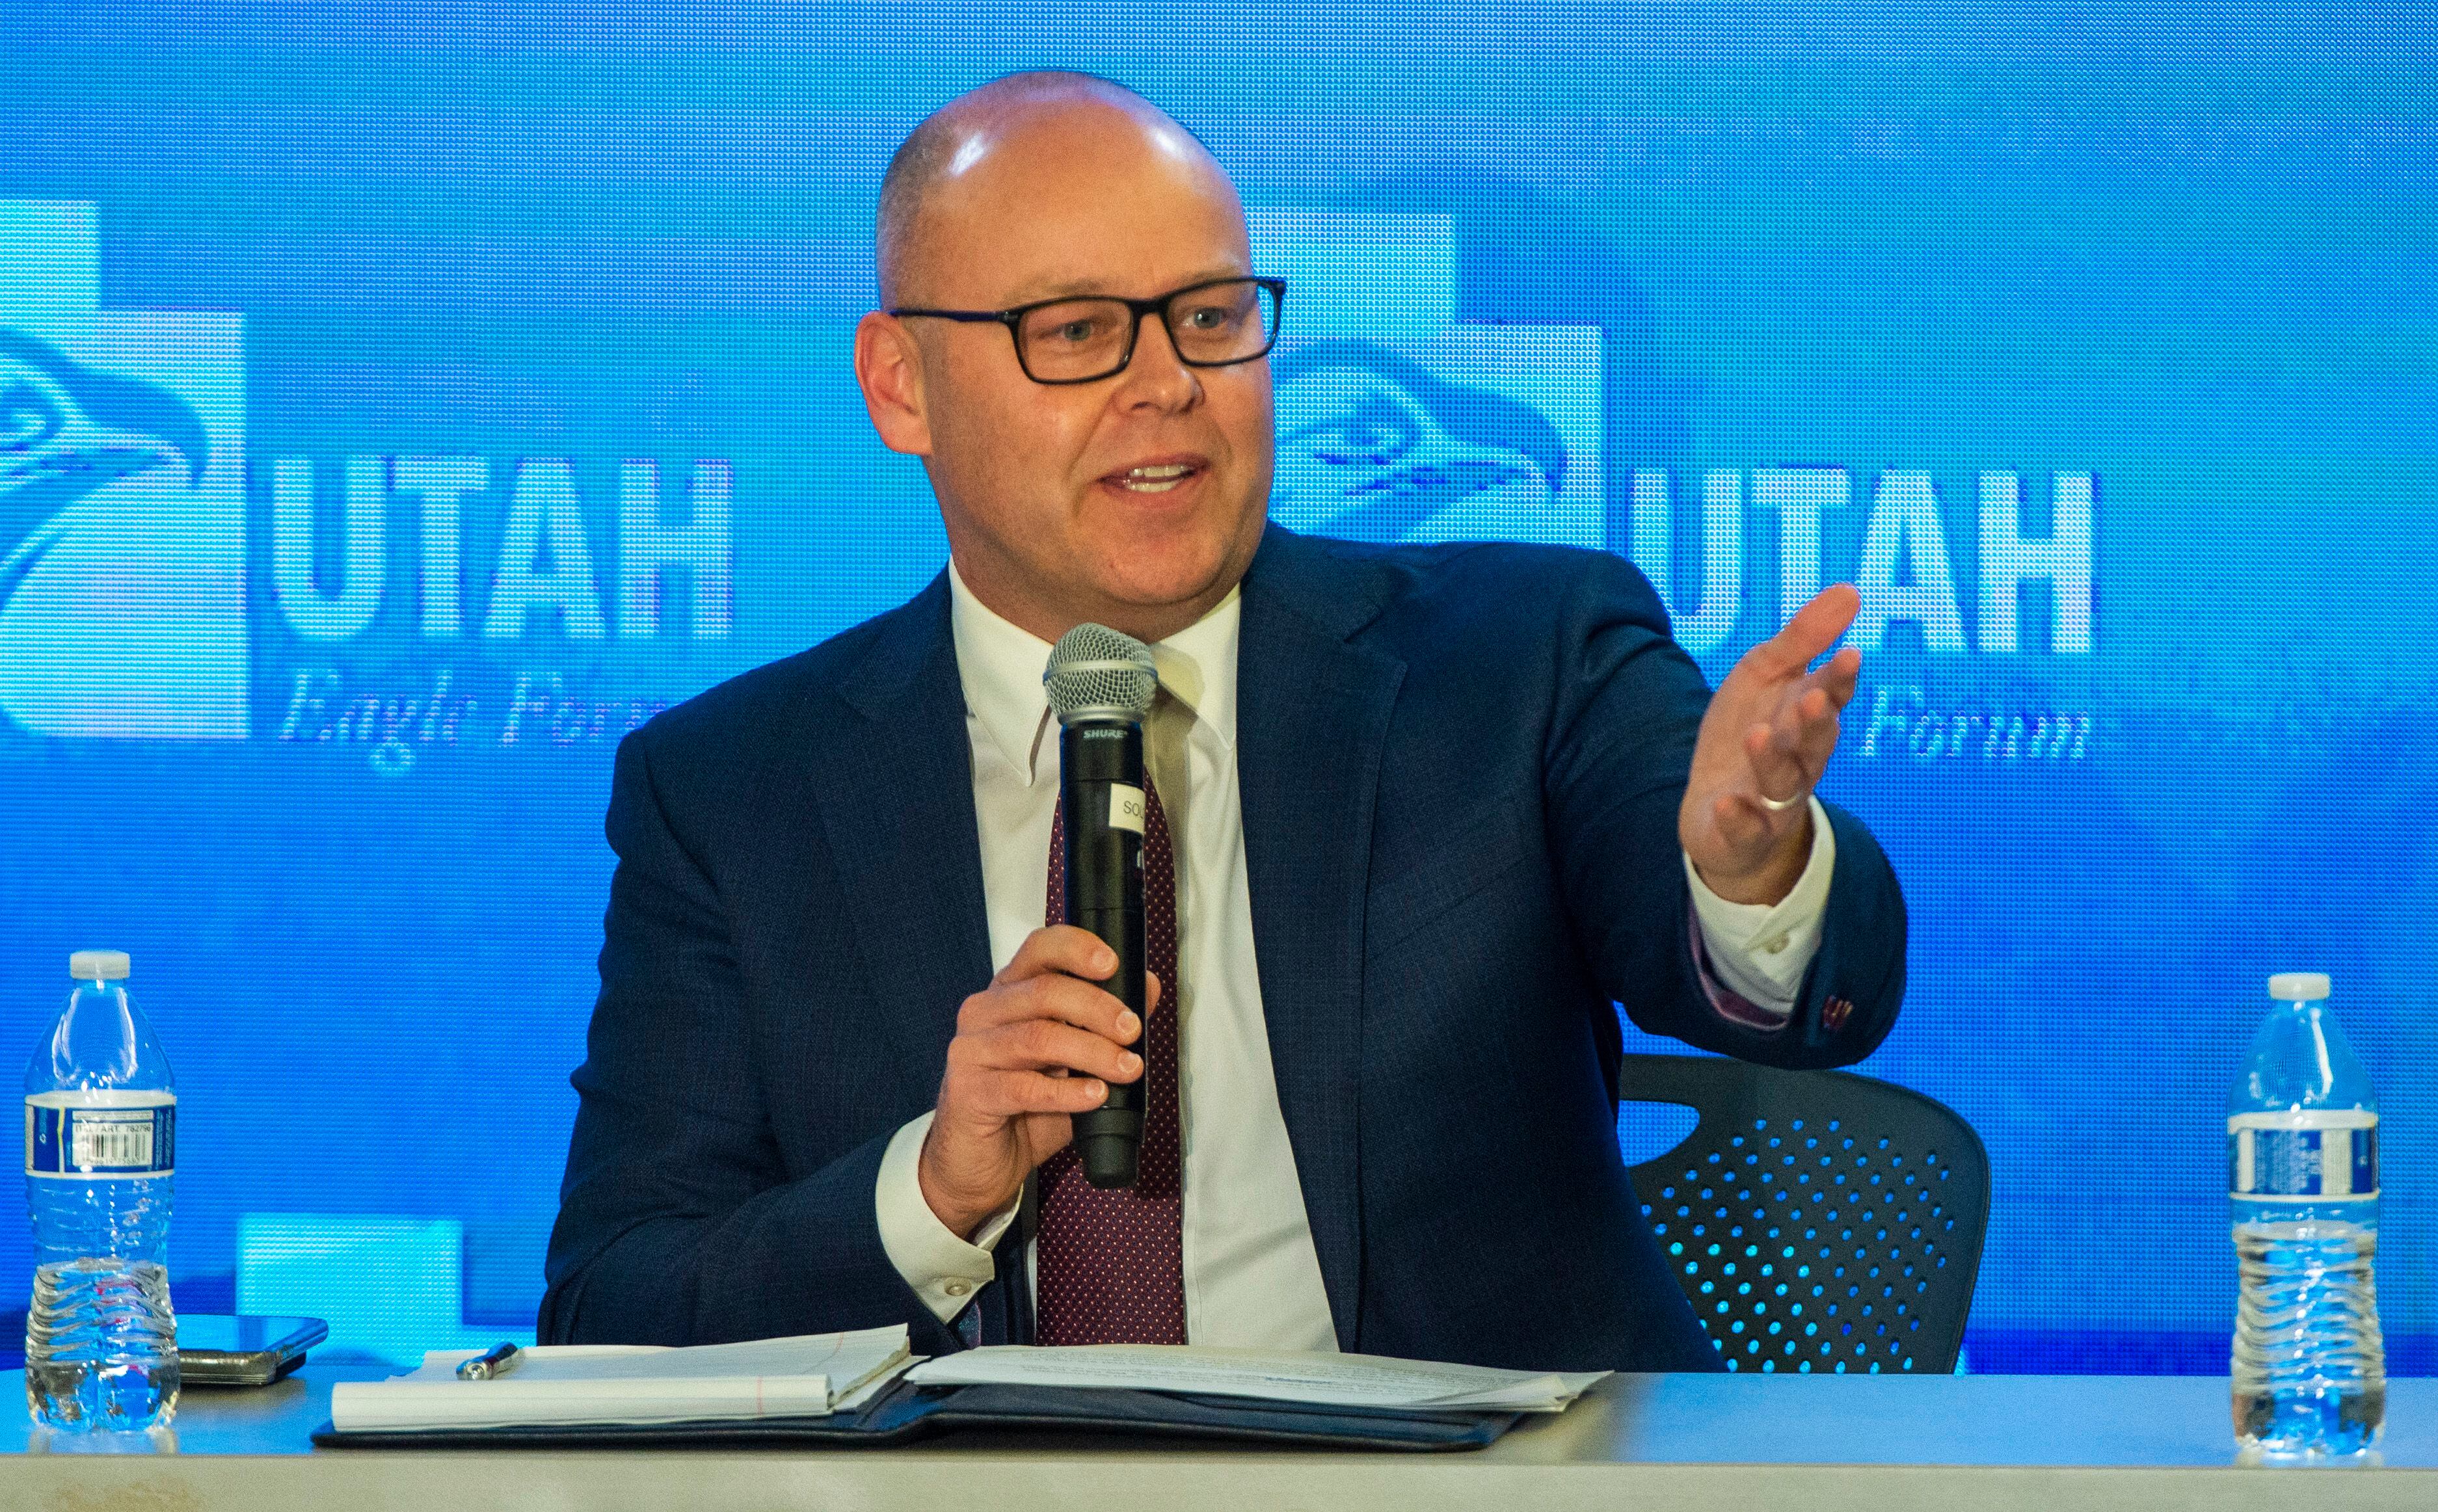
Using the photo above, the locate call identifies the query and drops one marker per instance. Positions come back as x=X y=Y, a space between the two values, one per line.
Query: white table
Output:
x=1678 y=1443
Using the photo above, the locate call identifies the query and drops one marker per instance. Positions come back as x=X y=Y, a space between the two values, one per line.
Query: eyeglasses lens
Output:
x=1080 y=339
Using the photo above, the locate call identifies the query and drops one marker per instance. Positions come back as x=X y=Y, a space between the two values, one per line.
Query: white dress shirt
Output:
x=1252 y=1277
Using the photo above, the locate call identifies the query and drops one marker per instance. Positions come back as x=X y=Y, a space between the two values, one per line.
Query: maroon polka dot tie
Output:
x=1110 y=1265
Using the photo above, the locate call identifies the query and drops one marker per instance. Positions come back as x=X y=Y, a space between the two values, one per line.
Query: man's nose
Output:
x=1155 y=376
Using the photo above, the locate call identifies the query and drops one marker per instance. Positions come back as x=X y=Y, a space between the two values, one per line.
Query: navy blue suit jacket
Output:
x=1461 y=769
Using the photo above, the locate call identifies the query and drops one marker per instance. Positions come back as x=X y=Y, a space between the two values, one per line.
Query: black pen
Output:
x=491 y=1364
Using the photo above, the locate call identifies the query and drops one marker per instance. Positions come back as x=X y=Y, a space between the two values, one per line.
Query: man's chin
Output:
x=1153 y=576
x=1152 y=590
x=1159 y=546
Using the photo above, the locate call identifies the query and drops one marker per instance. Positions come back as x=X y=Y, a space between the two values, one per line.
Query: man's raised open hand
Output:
x=1769 y=733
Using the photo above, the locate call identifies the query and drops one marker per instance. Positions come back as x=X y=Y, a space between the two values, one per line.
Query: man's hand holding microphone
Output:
x=1036 y=1046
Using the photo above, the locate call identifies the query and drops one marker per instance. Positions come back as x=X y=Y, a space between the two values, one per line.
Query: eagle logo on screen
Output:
x=66 y=431
x=1440 y=380
x=122 y=525
x=1370 y=446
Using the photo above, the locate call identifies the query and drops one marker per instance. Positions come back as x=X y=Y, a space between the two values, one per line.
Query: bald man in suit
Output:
x=1429 y=813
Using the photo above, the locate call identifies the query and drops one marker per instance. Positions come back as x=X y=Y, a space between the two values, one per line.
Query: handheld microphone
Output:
x=1101 y=683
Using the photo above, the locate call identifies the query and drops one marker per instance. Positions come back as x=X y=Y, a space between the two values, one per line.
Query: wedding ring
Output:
x=1777 y=805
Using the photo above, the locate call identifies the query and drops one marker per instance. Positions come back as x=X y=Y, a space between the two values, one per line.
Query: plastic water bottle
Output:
x=2310 y=1372
x=102 y=1110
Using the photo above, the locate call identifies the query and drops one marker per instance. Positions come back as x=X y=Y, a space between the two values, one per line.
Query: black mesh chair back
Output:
x=1817 y=1220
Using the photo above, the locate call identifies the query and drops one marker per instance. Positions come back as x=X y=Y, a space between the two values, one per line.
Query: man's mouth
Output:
x=1157 y=478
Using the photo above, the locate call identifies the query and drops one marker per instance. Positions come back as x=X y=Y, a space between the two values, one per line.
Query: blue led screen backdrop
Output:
x=404 y=402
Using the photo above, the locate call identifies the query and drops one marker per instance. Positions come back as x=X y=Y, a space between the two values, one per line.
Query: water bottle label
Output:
x=101 y=1135
x=2318 y=1152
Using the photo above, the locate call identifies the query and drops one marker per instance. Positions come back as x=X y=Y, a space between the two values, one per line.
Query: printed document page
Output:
x=1329 y=1379
x=572 y=1384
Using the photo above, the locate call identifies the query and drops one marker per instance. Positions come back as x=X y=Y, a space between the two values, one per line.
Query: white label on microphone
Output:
x=1125 y=807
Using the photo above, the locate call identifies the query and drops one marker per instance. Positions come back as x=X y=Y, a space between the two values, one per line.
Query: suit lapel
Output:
x=897 y=804
x=1312 y=720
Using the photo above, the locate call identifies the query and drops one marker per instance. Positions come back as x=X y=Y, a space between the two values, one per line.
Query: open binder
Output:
x=865 y=1388
x=910 y=1410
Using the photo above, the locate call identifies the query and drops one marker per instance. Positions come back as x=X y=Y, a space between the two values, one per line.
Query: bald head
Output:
x=1136 y=498
x=1020 y=114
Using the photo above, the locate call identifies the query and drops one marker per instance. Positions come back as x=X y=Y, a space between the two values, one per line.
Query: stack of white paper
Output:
x=1329 y=1379
x=568 y=1386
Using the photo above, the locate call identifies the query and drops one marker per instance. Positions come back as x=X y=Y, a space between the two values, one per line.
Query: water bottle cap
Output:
x=2299 y=985
x=98 y=965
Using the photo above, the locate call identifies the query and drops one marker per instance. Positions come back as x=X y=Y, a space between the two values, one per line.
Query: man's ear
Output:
x=889 y=368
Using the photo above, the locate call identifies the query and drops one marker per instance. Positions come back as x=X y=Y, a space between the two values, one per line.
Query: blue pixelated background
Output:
x=399 y=402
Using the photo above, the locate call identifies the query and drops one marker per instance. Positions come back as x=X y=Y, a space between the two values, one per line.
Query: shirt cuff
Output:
x=1761 y=951
x=944 y=1270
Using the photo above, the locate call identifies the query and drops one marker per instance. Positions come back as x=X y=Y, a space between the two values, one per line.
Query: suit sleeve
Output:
x=1628 y=705
x=678 y=1222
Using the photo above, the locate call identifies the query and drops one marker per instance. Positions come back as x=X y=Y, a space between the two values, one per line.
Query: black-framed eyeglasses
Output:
x=1082 y=340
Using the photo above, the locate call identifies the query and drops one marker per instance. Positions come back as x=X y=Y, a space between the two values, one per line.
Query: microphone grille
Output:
x=1096 y=672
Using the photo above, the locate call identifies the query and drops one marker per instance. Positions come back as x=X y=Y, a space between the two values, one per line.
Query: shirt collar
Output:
x=1000 y=665
x=1197 y=665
